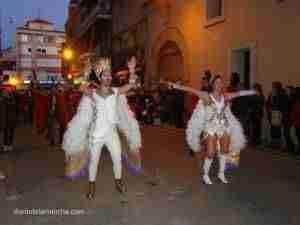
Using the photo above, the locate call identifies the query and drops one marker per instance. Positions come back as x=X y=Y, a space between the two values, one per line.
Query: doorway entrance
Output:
x=170 y=62
x=241 y=64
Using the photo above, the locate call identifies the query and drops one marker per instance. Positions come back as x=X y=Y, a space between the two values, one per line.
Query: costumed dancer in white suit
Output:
x=100 y=113
x=213 y=123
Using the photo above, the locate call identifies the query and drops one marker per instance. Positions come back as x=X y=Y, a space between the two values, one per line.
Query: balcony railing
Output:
x=102 y=10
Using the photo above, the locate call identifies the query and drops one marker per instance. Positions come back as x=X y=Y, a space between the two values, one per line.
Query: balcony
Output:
x=101 y=10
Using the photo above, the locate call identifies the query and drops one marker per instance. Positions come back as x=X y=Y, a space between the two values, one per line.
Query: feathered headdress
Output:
x=86 y=70
x=103 y=65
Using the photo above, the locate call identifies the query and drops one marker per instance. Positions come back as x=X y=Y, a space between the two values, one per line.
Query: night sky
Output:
x=16 y=12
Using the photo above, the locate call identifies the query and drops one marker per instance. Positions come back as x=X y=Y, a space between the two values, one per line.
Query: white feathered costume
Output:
x=196 y=126
x=76 y=137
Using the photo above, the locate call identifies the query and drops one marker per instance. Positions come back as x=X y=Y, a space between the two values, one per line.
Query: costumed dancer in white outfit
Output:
x=214 y=124
x=101 y=112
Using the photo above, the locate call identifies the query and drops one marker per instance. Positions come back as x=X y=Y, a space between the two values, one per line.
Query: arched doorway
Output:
x=170 y=67
x=175 y=38
x=170 y=62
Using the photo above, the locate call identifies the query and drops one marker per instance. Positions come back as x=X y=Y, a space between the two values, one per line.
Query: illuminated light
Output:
x=13 y=81
x=77 y=81
x=68 y=54
x=26 y=81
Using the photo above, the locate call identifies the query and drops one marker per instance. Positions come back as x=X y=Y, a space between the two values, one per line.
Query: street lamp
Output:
x=68 y=54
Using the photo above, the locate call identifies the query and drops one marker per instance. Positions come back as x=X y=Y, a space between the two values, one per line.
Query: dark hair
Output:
x=277 y=85
x=212 y=82
x=207 y=75
x=129 y=57
x=93 y=77
x=258 y=87
x=6 y=77
x=235 y=79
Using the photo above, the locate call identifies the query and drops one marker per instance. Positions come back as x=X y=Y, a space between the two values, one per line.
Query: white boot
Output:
x=222 y=163
x=206 y=168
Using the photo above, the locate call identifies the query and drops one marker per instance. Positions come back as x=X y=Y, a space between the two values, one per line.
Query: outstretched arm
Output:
x=126 y=88
x=232 y=95
x=201 y=94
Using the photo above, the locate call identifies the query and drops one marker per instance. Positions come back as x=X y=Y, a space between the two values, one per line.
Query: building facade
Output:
x=8 y=62
x=181 y=39
x=88 y=29
x=38 y=48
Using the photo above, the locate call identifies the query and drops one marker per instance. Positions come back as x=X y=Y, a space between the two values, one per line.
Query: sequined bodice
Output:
x=215 y=112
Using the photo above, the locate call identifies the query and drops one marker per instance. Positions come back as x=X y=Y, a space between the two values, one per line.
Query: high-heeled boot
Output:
x=91 y=192
x=222 y=164
x=120 y=186
x=206 y=168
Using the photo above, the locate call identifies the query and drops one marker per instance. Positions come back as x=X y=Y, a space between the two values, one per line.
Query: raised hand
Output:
x=169 y=84
x=98 y=68
x=131 y=65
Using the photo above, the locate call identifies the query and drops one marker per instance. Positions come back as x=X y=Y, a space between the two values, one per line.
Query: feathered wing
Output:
x=237 y=137
x=195 y=127
x=128 y=125
x=76 y=136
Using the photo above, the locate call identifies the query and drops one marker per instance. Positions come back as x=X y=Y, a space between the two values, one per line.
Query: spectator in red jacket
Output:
x=8 y=113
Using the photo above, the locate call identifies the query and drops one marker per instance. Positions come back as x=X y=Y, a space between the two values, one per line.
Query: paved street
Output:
x=264 y=191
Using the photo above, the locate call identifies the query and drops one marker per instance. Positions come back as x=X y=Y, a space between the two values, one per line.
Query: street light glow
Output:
x=13 y=81
x=68 y=54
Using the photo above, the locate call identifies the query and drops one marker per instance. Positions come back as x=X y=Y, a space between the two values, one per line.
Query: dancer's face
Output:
x=106 y=79
x=204 y=82
x=218 y=85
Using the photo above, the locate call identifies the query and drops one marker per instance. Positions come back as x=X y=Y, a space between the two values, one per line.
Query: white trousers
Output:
x=112 y=141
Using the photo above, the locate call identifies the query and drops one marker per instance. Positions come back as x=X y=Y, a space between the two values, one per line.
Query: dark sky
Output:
x=16 y=12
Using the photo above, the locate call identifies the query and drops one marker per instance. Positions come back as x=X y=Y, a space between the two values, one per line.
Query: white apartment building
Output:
x=38 y=46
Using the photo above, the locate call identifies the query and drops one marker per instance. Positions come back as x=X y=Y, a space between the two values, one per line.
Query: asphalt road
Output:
x=265 y=190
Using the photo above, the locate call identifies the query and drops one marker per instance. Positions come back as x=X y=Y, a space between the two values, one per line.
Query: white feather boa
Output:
x=76 y=137
x=196 y=125
x=128 y=125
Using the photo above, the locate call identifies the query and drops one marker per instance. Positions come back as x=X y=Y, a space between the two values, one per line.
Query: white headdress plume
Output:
x=87 y=70
x=103 y=64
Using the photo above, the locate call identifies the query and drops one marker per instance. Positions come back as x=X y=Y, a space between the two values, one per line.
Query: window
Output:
x=51 y=39
x=40 y=38
x=214 y=11
x=24 y=38
x=29 y=50
x=60 y=40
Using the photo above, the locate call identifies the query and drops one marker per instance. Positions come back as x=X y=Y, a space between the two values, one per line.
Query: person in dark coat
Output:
x=257 y=114
x=295 y=119
x=278 y=114
x=8 y=114
x=178 y=107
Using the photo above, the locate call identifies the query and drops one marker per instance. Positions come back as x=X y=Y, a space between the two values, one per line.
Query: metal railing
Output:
x=102 y=10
